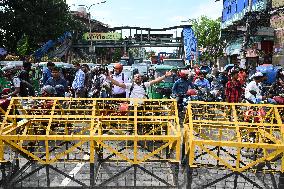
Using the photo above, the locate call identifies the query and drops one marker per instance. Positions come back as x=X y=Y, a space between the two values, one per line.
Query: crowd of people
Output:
x=207 y=84
x=234 y=85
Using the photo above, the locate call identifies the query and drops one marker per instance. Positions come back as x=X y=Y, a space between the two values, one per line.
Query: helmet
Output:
x=197 y=72
x=6 y=91
x=118 y=66
x=203 y=72
x=191 y=92
x=49 y=90
x=7 y=70
x=123 y=107
x=183 y=74
x=60 y=91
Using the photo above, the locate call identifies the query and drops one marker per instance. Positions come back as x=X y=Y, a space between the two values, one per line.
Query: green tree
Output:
x=207 y=32
x=149 y=54
x=118 y=53
x=39 y=20
x=23 y=46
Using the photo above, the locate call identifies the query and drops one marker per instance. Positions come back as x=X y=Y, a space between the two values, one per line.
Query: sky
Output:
x=149 y=13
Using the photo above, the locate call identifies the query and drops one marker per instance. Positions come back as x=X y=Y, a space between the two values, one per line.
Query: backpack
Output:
x=122 y=77
x=26 y=89
x=144 y=87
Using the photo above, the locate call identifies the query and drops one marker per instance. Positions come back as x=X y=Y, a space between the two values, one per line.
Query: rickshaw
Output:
x=164 y=88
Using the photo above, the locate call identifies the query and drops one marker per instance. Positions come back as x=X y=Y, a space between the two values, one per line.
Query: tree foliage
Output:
x=39 y=20
x=207 y=32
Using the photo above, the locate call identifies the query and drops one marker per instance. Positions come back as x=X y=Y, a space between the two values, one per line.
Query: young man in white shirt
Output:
x=137 y=88
x=253 y=89
x=119 y=92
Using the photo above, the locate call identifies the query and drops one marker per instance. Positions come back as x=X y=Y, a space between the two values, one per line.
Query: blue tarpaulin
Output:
x=3 y=51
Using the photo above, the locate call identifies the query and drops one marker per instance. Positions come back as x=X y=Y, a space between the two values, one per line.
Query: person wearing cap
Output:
x=233 y=88
x=46 y=73
x=253 y=89
x=117 y=91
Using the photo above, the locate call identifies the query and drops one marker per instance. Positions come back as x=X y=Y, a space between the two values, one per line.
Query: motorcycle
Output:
x=4 y=102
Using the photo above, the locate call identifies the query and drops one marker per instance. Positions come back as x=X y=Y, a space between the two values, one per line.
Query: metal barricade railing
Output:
x=210 y=127
x=51 y=131
x=239 y=138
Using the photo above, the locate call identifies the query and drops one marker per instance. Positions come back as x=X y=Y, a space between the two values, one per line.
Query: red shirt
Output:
x=242 y=77
x=233 y=91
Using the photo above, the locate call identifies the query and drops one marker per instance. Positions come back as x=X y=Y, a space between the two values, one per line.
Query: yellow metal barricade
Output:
x=236 y=137
x=50 y=130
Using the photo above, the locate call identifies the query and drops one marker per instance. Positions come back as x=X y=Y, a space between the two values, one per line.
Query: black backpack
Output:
x=144 y=87
x=26 y=89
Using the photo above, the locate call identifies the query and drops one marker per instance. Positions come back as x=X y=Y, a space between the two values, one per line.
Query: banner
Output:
x=235 y=10
x=190 y=44
x=102 y=36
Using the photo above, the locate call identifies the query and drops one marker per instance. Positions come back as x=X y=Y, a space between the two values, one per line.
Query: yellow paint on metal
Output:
x=225 y=132
x=85 y=125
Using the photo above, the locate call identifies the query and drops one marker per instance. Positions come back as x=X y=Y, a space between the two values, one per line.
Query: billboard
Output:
x=234 y=10
x=102 y=36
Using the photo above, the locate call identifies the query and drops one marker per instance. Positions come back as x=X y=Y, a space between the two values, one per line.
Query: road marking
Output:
x=73 y=173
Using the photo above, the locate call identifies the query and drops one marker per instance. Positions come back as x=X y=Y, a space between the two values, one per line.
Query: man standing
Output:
x=119 y=92
x=137 y=89
x=78 y=84
x=47 y=72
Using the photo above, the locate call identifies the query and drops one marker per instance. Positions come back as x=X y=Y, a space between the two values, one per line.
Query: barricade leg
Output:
x=92 y=175
x=3 y=171
x=175 y=171
x=47 y=176
x=281 y=181
x=189 y=172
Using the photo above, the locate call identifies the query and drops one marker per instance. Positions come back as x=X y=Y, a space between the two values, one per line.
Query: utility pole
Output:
x=247 y=33
x=91 y=48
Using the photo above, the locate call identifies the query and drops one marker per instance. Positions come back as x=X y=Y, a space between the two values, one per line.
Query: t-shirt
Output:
x=16 y=82
x=253 y=86
x=120 y=79
x=138 y=90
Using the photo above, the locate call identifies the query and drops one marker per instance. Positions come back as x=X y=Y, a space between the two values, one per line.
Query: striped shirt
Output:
x=79 y=80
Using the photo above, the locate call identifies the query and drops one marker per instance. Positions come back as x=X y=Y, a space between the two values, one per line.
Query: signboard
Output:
x=190 y=44
x=265 y=31
x=102 y=36
x=234 y=10
x=154 y=37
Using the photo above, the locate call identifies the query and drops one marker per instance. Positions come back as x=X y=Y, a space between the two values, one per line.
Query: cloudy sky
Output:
x=149 y=13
